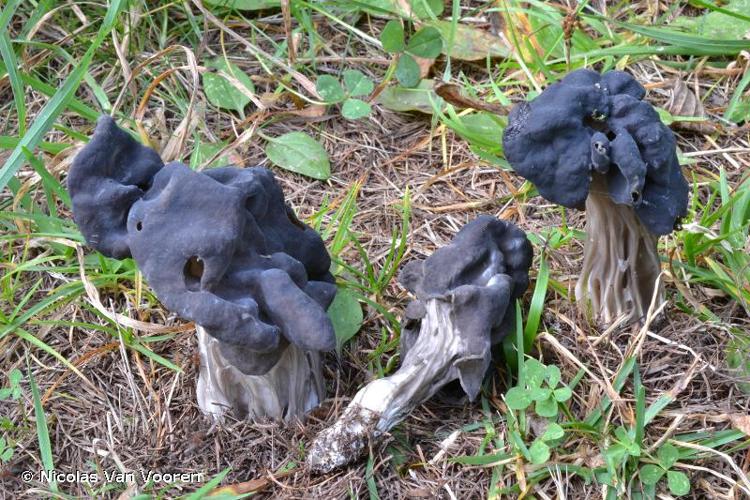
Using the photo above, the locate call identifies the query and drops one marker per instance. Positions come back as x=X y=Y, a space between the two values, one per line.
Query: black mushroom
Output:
x=463 y=307
x=219 y=247
x=590 y=141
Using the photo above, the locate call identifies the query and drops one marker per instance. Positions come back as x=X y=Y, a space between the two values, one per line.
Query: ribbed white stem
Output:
x=290 y=389
x=429 y=365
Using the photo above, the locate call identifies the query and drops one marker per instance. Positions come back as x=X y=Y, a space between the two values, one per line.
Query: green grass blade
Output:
x=692 y=44
x=7 y=13
x=11 y=66
x=57 y=103
x=45 y=447
x=537 y=304
x=206 y=488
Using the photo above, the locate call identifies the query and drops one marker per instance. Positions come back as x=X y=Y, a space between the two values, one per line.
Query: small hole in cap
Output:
x=193 y=272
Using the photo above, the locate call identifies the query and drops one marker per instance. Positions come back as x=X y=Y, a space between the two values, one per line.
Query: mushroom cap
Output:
x=481 y=272
x=220 y=247
x=102 y=190
x=590 y=123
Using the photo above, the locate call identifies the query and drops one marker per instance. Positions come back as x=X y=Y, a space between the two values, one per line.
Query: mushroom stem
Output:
x=381 y=404
x=292 y=387
x=620 y=261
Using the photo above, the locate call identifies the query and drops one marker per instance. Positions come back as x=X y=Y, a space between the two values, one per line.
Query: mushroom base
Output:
x=620 y=262
x=290 y=389
x=431 y=363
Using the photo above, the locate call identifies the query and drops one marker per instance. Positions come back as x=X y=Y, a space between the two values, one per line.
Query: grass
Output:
x=108 y=375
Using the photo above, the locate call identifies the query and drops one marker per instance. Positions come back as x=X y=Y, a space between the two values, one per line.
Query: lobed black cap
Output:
x=481 y=272
x=219 y=247
x=590 y=123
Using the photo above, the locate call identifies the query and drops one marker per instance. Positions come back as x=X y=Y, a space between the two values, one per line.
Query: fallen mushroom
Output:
x=464 y=295
x=221 y=248
x=590 y=140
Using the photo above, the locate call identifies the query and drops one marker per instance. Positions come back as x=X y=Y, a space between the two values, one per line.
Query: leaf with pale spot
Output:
x=357 y=83
x=354 y=109
x=651 y=473
x=678 y=483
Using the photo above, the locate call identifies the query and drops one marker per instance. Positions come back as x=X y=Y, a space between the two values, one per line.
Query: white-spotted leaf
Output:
x=354 y=109
x=357 y=83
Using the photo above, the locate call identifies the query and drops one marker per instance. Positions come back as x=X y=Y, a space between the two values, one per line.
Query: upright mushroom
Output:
x=590 y=140
x=464 y=295
x=221 y=248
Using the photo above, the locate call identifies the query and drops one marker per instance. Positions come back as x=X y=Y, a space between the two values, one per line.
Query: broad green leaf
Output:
x=517 y=398
x=539 y=393
x=678 y=482
x=357 y=83
x=563 y=394
x=346 y=316
x=392 y=37
x=354 y=109
x=651 y=473
x=204 y=151
x=470 y=43
x=553 y=375
x=330 y=89
x=615 y=453
x=426 y=9
x=427 y=43
x=414 y=8
x=546 y=407
x=420 y=98
x=407 y=71
x=299 y=153
x=552 y=432
x=668 y=455
x=244 y=4
x=222 y=92
x=483 y=130
x=720 y=25
x=535 y=372
x=539 y=451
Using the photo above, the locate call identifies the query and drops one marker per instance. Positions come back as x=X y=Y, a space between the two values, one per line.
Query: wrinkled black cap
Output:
x=219 y=247
x=481 y=272
x=590 y=123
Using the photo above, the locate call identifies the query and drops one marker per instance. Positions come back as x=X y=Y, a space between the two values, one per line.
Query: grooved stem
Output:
x=620 y=261
x=377 y=407
x=291 y=388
